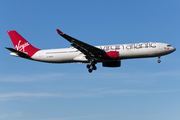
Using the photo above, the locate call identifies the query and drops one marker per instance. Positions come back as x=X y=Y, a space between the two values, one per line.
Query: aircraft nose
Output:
x=174 y=49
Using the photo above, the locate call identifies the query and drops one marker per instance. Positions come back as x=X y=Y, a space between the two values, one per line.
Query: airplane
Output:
x=108 y=55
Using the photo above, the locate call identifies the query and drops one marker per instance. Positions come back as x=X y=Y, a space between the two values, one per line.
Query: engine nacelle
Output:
x=110 y=55
x=112 y=64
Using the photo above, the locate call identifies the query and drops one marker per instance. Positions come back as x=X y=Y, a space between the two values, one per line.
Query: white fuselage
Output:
x=126 y=51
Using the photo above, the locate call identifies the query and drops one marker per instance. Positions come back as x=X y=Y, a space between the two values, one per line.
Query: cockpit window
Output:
x=168 y=45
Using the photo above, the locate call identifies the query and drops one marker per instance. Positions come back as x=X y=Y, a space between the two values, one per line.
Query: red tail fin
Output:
x=21 y=44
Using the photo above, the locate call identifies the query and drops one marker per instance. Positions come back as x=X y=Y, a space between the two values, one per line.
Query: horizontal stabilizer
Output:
x=20 y=54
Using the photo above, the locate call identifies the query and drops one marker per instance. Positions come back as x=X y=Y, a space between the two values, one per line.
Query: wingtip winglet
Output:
x=59 y=32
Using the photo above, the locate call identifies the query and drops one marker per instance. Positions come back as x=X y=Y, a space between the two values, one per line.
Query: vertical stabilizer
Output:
x=21 y=44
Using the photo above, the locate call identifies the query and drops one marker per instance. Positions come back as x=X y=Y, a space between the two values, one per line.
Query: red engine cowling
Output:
x=110 y=55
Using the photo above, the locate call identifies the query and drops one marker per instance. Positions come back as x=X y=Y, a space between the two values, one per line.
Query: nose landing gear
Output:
x=159 y=61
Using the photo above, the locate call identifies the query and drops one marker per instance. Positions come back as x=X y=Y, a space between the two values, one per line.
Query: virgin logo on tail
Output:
x=21 y=47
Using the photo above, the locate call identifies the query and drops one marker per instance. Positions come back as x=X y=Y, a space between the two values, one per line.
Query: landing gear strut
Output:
x=91 y=66
x=159 y=61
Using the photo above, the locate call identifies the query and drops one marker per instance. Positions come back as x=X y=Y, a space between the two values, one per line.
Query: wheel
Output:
x=94 y=68
x=159 y=61
x=90 y=70
x=88 y=66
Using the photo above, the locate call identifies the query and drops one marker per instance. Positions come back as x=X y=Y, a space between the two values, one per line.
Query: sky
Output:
x=140 y=89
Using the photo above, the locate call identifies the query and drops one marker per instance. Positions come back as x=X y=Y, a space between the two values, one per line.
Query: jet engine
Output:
x=112 y=64
x=112 y=55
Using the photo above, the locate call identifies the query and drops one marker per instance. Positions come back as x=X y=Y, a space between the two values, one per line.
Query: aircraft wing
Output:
x=81 y=46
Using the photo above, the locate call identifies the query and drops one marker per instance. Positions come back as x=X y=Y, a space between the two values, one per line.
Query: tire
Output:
x=90 y=70
x=88 y=66
x=94 y=68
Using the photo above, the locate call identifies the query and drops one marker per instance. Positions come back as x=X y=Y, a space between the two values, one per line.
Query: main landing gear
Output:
x=159 y=61
x=91 y=66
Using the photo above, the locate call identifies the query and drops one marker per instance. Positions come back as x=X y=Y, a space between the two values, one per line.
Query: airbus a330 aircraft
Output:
x=109 y=55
